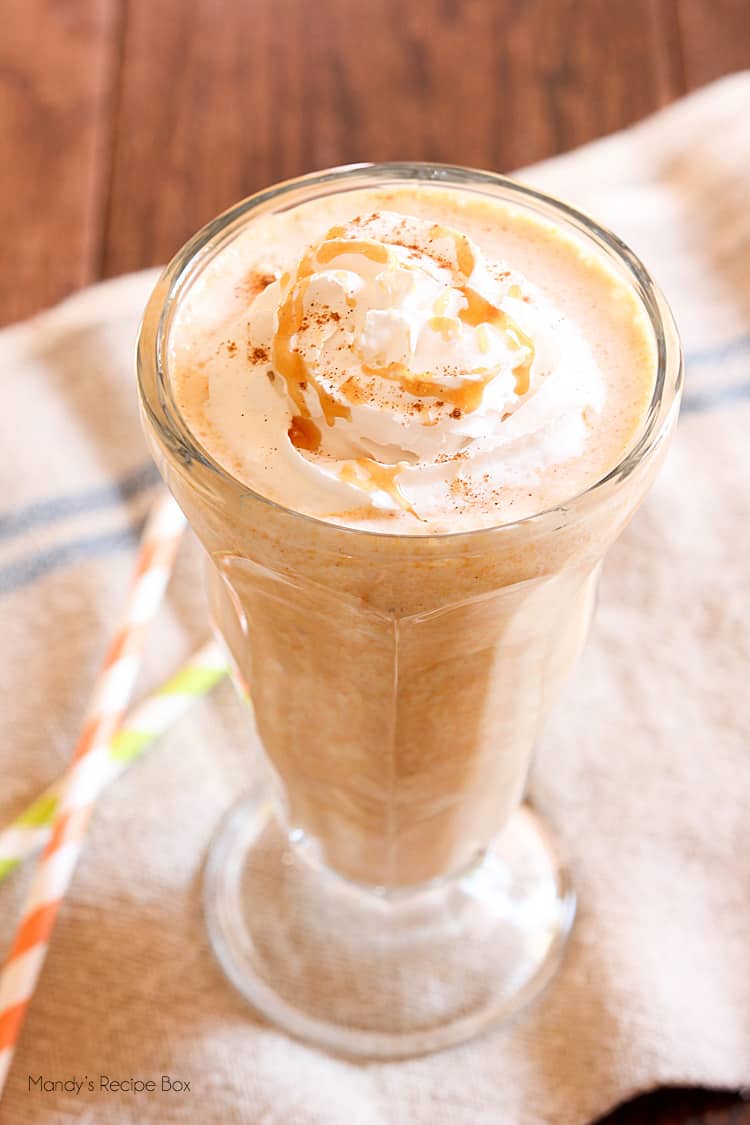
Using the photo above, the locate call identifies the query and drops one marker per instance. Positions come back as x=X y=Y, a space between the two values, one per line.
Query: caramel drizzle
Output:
x=378 y=478
x=334 y=247
x=287 y=360
x=480 y=311
x=464 y=253
x=444 y=325
x=304 y=434
x=466 y=397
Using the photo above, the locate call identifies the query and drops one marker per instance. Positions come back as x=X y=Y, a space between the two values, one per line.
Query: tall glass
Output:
x=382 y=890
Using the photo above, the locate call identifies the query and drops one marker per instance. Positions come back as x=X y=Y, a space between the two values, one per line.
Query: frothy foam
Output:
x=396 y=371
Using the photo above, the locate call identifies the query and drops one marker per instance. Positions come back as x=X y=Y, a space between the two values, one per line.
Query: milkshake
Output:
x=406 y=412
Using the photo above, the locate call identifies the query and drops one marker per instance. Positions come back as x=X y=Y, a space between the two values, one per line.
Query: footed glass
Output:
x=382 y=890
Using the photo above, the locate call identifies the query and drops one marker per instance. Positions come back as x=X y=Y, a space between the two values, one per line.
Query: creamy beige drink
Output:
x=382 y=385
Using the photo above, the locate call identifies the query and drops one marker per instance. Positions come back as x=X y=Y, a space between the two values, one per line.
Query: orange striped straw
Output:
x=111 y=695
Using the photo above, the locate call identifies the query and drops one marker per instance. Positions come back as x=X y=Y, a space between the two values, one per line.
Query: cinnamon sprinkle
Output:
x=258 y=354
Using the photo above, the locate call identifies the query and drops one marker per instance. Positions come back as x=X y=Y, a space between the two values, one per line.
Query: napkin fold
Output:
x=644 y=770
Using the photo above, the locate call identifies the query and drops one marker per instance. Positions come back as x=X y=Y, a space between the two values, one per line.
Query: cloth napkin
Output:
x=644 y=770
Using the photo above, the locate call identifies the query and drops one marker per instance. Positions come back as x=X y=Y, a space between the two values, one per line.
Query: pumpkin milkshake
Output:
x=406 y=412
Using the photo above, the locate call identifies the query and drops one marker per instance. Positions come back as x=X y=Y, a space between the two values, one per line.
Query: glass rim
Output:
x=153 y=334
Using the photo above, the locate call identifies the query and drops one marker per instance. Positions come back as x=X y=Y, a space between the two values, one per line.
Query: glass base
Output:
x=367 y=973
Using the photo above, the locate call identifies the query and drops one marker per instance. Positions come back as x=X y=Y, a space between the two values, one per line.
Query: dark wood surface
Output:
x=126 y=124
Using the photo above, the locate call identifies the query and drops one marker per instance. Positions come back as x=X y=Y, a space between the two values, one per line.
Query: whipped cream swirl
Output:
x=411 y=373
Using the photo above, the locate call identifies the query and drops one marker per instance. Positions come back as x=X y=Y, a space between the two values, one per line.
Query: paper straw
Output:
x=111 y=694
x=30 y=830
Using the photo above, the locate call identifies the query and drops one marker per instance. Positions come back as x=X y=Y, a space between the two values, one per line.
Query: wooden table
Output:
x=126 y=124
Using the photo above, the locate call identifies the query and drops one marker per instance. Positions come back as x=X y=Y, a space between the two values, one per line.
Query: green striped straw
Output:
x=30 y=830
